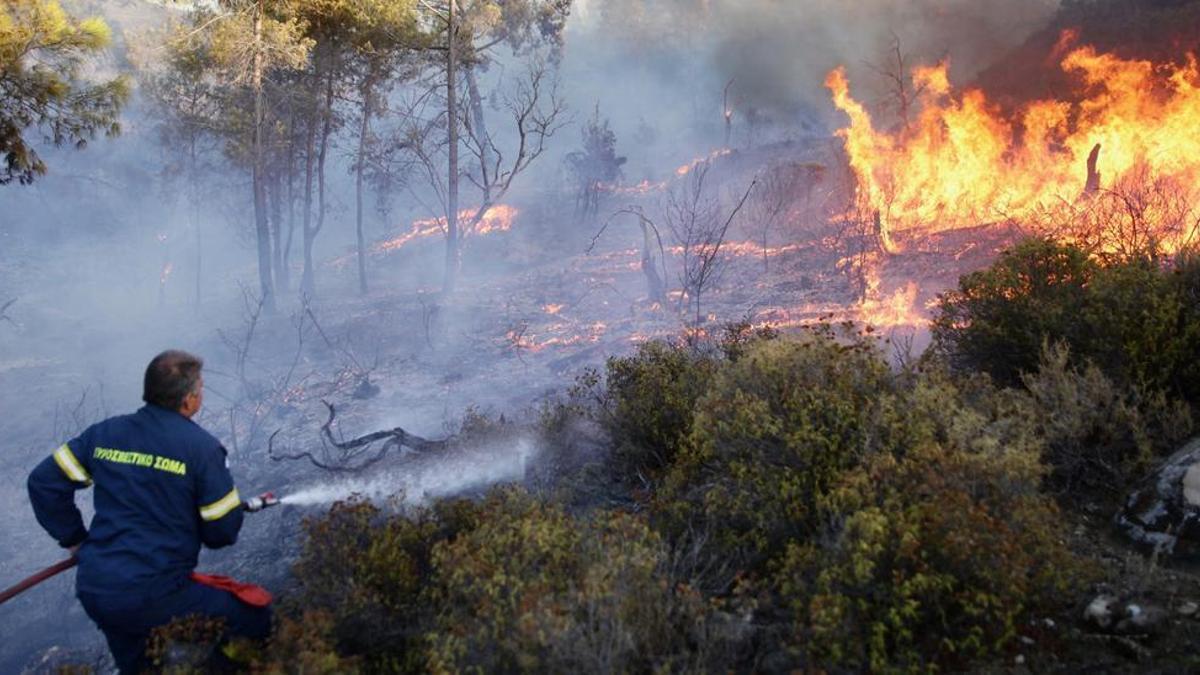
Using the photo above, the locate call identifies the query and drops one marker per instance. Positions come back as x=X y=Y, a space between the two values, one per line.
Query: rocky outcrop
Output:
x=1164 y=513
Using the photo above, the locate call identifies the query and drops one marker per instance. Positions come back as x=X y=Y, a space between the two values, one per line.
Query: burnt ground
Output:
x=537 y=305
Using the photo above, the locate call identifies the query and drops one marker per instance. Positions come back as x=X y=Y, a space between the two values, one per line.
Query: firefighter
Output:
x=162 y=489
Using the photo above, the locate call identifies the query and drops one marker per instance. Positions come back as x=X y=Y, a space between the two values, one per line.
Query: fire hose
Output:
x=252 y=505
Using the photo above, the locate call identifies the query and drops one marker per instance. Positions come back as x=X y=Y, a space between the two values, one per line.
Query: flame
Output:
x=552 y=309
x=742 y=249
x=557 y=335
x=498 y=218
x=165 y=274
x=964 y=162
x=643 y=188
x=892 y=311
x=687 y=168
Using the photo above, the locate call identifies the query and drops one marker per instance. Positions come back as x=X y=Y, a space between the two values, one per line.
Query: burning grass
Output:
x=962 y=160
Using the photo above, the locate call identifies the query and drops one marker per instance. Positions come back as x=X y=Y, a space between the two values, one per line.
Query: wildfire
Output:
x=687 y=168
x=165 y=274
x=558 y=335
x=643 y=188
x=895 y=310
x=963 y=162
x=552 y=309
x=498 y=218
x=746 y=248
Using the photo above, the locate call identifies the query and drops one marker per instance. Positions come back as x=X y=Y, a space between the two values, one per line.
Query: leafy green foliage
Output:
x=775 y=430
x=1138 y=321
x=1099 y=438
x=653 y=395
x=942 y=555
x=42 y=52
x=998 y=318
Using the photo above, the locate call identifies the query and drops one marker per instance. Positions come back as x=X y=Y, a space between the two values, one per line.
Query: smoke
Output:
x=664 y=64
x=488 y=465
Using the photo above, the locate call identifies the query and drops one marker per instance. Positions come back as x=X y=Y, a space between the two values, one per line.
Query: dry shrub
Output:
x=305 y=646
x=652 y=397
x=367 y=569
x=1099 y=437
x=1136 y=318
x=533 y=589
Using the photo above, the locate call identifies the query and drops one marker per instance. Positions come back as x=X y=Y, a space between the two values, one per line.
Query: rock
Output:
x=1101 y=611
x=1141 y=619
x=1163 y=514
x=1188 y=609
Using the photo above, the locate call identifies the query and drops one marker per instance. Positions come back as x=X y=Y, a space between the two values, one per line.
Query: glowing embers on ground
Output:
x=963 y=162
x=559 y=334
x=498 y=218
x=687 y=168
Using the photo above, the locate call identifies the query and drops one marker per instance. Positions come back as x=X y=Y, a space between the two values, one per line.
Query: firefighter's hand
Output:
x=74 y=549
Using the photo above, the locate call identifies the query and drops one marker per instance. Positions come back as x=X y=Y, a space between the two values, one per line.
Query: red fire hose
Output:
x=58 y=568
x=263 y=501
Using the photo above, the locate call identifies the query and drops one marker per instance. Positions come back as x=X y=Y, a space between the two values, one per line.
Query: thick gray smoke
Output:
x=659 y=67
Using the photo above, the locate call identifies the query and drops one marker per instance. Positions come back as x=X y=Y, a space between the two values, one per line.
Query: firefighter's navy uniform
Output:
x=163 y=488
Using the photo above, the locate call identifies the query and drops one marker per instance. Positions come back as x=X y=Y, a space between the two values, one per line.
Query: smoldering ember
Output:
x=600 y=336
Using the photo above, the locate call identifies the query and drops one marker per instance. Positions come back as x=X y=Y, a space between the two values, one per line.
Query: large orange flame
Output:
x=964 y=162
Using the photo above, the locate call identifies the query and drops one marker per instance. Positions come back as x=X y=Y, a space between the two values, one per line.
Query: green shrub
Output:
x=776 y=429
x=533 y=589
x=941 y=556
x=1099 y=437
x=998 y=318
x=367 y=569
x=651 y=397
x=1136 y=320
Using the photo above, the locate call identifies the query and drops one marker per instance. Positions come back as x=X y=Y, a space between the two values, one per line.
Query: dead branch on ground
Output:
x=4 y=311
x=356 y=454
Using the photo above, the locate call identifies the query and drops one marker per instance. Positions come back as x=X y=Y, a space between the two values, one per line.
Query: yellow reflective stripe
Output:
x=70 y=466
x=218 y=509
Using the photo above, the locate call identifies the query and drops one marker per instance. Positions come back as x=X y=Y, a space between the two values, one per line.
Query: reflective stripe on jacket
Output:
x=162 y=488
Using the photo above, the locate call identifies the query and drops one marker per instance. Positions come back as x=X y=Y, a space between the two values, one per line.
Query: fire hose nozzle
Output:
x=265 y=500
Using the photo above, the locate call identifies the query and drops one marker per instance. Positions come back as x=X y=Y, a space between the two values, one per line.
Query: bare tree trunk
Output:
x=310 y=134
x=194 y=221
x=1093 y=173
x=308 y=280
x=452 y=253
x=487 y=157
x=276 y=196
x=260 y=198
x=363 y=131
x=285 y=275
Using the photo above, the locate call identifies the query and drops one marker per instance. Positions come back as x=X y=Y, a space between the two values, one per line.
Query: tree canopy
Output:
x=42 y=87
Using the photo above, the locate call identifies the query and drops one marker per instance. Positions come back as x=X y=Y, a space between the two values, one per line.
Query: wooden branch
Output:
x=4 y=308
x=356 y=454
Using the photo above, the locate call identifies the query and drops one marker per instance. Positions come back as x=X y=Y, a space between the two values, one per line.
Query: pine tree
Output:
x=42 y=51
